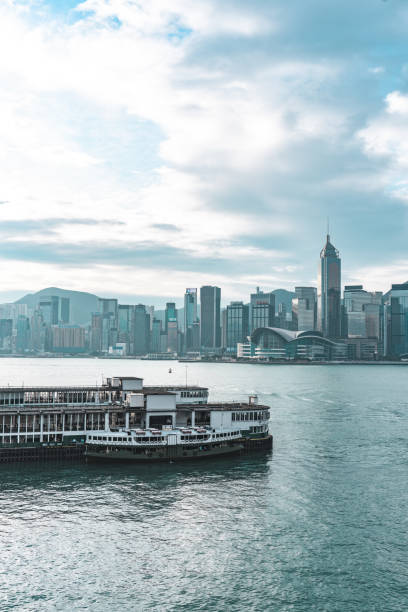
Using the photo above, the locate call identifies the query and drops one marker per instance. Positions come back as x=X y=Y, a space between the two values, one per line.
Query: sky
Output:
x=150 y=146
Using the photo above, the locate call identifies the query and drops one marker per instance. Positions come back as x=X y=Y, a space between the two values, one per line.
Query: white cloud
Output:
x=211 y=122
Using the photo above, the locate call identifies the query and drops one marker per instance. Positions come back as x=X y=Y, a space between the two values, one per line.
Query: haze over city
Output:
x=147 y=149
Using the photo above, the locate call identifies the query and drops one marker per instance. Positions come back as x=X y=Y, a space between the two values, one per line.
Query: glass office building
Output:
x=329 y=292
x=396 y=321
x=210 y=302
x=236 y=326
x=261 y=310
x=304 y=308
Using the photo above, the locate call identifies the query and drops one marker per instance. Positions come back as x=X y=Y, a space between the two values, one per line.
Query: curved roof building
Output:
x=277 y=343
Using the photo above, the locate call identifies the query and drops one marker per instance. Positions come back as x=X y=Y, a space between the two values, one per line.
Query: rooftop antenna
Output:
x=328 y=228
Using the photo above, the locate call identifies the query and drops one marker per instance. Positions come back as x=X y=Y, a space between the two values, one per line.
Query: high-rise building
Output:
x=172 y=337
x=329 y=291
x=237 y=325
x=155 y=334
x=38 y=332
x=363 y=312
x=22 y=334
x=223 y=328
x=49 y=307
x=304 y=309
x=261 y=310
x=125 y=326
x=190 y=318
x=210 y=319
x=108 y=308
x=64 y=310
x=6 y=334
x=96 y=333
x=171 y=327
x=68 y=339
x=141 y=330
x=396 y=320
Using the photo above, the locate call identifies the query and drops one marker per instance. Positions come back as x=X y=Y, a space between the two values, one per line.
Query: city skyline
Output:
x=165 y=148
x=318 y=324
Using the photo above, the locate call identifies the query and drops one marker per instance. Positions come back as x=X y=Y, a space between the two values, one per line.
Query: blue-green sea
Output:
x=319 y=524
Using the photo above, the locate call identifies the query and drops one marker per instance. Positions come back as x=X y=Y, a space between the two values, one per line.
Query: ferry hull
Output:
x=166 y=453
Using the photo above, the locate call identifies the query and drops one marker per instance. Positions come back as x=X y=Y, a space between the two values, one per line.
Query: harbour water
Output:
x=320 y=524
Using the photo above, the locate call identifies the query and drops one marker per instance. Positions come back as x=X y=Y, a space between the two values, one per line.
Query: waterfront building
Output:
x=155 y=334
x=366 y=349
x=171 y=327
x=237 y=325
x=95 y=344
x=245 y=350
x=22 y=334
x=6 y=334
x=396 y=320
x=190 y=319
x=13 y=311
x=38 y=332
x=210 y=319
x=277 y=343
x=108 y=308
x=363 y=313
x=223 y=328
x=125 y=326
x=172 y=337
x=163 y=342
x=304 y=308
x=141 y=338
x=329 y=291
x=195 y=337
x=68 y=339
x=261 y=310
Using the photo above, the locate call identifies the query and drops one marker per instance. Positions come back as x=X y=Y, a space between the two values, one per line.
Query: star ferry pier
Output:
x=122 y=419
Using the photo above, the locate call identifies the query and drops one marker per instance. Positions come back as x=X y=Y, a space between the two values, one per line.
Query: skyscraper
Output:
x=237 y=325
x=261 y=310
x=210 y=300
x=304 y=309
x=363 y=312
x=190 y=318
x=49 y=307
x=171 y=327
x=125 y=326
x=64 y=310
x=109 y=311
x=396 y=320
x=141 y=330
x=329 y=291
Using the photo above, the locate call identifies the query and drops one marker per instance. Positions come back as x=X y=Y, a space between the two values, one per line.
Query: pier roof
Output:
x=223 y=406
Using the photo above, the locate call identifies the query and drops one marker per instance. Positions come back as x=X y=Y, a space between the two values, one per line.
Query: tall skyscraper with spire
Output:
x=329 y=291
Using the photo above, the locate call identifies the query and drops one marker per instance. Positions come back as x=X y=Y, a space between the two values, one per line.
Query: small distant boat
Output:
x=170 y=370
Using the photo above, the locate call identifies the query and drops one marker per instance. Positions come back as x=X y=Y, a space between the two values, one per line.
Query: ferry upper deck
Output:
x=56 y=414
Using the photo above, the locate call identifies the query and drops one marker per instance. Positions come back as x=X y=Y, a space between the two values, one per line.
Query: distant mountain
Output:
x=81 y=304
x=282 y=296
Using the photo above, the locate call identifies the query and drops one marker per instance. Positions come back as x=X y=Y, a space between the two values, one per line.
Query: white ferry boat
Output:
x=173 y=424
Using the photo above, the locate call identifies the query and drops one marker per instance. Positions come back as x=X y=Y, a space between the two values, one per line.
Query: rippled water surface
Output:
x=320 y=524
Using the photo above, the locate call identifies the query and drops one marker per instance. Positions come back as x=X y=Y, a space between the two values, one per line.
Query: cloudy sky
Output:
x=147 y=146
